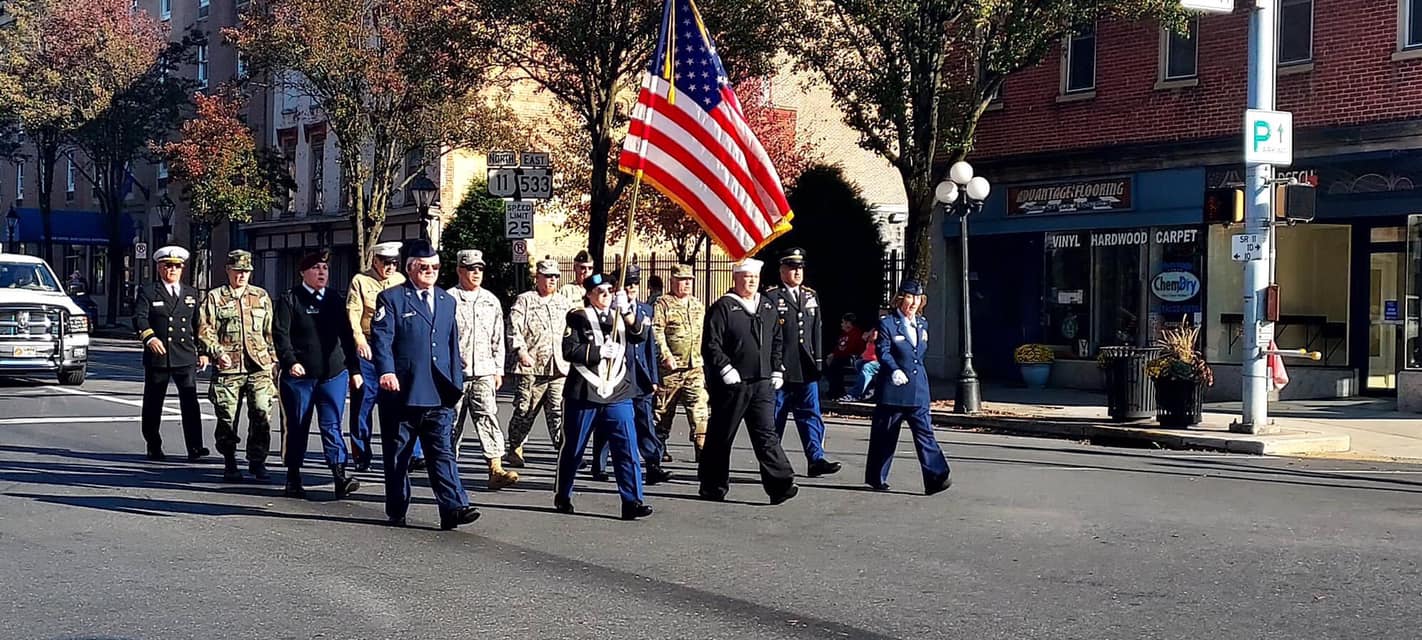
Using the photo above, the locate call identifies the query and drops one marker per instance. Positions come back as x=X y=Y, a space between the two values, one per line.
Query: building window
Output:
x=202 y=6
x=1180 y=59
x=1295 y=31
x=318 y=174
x=165 y=9
x=1412 y=300
x=162 y=175
x=1080 y=67
x=287 y=142
x=69 y=180
x=202 y=66
x=1411 y=24
x=241 y=66
x=19 y=182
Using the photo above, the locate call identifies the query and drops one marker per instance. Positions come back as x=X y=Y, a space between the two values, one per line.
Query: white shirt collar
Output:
x=314 y=292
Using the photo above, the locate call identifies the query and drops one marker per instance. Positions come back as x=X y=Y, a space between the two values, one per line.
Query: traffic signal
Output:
x=1224 y=206
x=1295 y=202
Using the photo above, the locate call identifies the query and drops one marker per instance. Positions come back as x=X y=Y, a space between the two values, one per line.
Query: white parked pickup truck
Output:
x=42 y=331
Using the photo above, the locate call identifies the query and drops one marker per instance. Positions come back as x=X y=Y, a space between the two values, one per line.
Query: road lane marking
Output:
x=81 y=419
x=100 y=396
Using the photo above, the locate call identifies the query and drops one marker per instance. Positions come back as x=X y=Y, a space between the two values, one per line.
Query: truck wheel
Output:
x=73 y=377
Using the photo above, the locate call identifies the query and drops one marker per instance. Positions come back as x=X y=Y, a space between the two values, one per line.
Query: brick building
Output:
x=1100 y=158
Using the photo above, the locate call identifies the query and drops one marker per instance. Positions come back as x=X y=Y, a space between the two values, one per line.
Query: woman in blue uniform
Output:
x=903 y=395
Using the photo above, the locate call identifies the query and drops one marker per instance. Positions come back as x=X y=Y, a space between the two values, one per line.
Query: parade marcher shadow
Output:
x=161 y=507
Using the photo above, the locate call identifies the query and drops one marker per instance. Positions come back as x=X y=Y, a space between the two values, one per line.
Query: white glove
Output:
x=899 y=379
x=608 y=350
x=729 y=375
x=777 y=380
x=621 y=303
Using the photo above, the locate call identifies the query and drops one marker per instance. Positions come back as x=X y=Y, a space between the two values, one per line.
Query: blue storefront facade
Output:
x=1087 y=261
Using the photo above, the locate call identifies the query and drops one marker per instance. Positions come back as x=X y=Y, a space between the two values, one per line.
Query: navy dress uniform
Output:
x=741 y=345
x=903 y=396
x=798 y=310
x=647 y=377
x=166 y=314
x=599 y=344
x=416 y=339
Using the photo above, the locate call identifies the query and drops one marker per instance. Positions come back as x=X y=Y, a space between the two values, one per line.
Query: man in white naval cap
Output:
x=384 y=273
x=165 y=317
x=743 y=351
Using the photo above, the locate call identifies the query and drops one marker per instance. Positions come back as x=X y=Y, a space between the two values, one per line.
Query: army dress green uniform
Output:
x=677 y=324
x=238 y=324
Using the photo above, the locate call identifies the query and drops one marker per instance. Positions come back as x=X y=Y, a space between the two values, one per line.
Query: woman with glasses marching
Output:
x=903 y=395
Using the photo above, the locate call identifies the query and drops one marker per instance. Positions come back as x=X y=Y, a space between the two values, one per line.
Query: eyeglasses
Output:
x=391 y=262
x=473 y=268
x=550 y=276
x=424 y=266
x=171 y=265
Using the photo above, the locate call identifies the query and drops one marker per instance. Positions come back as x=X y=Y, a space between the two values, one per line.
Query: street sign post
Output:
x=1268 y=137
x=518 y=220
x=140 y=251
x=533 y=159
x=502 y=159
x=1244 y=247
x=520 y=251
x=1208 y=6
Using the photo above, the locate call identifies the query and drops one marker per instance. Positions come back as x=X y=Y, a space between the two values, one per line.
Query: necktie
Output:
x=425 y=297
x=173 y=290
x=319 y=295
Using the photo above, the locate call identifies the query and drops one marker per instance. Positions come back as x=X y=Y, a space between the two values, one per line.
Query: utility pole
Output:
x=1258 y=329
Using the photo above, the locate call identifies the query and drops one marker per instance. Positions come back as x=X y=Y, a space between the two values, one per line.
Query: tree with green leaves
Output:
x=478 y=223
x=588 y=54
x=225 y=176
x=835 y=227
x=396 y=81
x=62 y=63
x=913 y=77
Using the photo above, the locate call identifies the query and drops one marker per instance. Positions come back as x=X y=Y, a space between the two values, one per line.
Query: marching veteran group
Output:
x=600 y=365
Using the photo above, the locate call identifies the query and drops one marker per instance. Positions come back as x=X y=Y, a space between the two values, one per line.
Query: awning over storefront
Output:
x=68 y=226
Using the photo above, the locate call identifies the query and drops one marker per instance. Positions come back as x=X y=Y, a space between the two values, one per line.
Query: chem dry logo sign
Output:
x=1175 y=286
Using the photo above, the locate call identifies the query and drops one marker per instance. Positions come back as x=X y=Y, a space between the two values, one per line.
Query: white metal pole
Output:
x=1262 y=72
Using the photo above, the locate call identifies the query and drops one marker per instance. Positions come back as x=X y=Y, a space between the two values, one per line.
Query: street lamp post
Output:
x=12 y=228
x=166 y=206
x=424 y=191
x=961 y=195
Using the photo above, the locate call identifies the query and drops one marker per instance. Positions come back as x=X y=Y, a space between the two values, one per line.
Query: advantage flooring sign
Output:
x=1095 y=195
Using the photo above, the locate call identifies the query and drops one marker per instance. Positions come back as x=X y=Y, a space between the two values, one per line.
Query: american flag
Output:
x=690 y=140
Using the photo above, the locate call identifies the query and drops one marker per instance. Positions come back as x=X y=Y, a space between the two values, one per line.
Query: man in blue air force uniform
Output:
x=598 y=345
x=648 y=376
x=416 y=352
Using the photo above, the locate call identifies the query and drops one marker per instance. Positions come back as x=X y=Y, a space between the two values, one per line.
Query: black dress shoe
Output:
x=197 y=454
x=789 y=493
x=879 y=486
x=939 y=486
x=294 y=489
x=344 y=484
x=259 y=471
x=824 y=467
x=395 y=522
x=563 y=505
x=462 y=515
x=600 y=476
x=417 y=464
x=156 y=456
x=712 y=495
x=634 y=510
x=362 y=467
x=656 y=475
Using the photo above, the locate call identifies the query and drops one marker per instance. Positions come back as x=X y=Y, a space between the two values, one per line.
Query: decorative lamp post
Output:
x=166 y=206
x=962 y=194
x=12 y=227
x=425 y=191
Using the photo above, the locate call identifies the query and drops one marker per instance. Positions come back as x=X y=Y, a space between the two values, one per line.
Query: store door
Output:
x=1385 y=287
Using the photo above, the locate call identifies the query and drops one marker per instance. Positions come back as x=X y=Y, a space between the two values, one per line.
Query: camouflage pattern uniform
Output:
x=238 y=324
x=536 y=327
x=677 y=324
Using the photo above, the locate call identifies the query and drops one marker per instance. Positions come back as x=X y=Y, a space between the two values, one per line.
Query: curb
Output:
x=1288 y=443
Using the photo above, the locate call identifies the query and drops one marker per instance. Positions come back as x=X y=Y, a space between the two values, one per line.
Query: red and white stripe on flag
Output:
x=709 y=162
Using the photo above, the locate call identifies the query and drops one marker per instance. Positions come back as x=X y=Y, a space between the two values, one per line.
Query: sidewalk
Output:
x=1354 y=428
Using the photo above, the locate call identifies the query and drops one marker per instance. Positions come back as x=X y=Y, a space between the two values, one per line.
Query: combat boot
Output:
x=498 y=477
x=344 y=484
x=230 y=471
x=515 y=458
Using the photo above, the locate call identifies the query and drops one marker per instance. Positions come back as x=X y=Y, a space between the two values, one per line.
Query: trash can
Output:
x=1129 y=392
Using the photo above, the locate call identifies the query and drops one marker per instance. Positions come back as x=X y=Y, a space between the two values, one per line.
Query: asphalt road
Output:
x=1037 y=539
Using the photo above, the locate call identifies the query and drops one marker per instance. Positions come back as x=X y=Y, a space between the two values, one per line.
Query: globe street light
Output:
x=424 y=191
x=961 y=195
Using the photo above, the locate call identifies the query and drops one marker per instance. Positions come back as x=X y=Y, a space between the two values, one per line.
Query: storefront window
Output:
x=1412 y=307
x=1120 y=287
x=1312 y=272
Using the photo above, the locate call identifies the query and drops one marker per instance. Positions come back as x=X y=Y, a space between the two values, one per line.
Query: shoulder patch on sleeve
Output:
x=379 y=313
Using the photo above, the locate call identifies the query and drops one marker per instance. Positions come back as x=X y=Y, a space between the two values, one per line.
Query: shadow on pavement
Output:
x=160 y=507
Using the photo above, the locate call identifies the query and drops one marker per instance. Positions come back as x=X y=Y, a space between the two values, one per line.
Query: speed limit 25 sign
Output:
x=518 y=220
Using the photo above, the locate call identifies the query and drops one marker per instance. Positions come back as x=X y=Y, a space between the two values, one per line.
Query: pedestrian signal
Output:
x=1224 y=206
x=1295 y=202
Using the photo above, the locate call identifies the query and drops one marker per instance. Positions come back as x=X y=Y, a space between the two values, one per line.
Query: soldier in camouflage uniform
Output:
x=235 y=331
x=537 y=321
x=677 y=323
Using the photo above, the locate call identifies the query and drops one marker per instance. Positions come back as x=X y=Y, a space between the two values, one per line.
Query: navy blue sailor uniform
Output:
x=421 y=347
x=900 y=347
x=171 y=319
x=598 y=397
x=646 y=376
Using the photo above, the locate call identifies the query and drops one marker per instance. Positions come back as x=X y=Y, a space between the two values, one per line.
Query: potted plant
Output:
x=1035 y=362
x=1180 y=375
